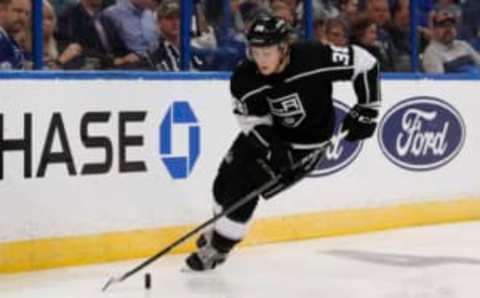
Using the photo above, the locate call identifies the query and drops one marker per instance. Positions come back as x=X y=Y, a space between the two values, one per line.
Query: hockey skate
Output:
x=206 y=257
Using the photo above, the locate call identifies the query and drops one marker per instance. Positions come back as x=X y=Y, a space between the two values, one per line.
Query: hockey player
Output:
x=283 y=100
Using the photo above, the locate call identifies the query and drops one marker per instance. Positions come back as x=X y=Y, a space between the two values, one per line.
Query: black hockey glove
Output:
x=281 y=161
x=360 y=123
x=276 y=154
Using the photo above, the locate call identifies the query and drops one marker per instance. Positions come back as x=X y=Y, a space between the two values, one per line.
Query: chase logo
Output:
x=340 y=153
x=179 y=114
x=421 y=133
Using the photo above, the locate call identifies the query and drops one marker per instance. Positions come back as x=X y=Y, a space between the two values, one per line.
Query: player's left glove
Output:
x=281 y=161
x=360 y=123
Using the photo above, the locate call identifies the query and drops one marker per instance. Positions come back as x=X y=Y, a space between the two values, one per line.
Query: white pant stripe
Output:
x=229 y=228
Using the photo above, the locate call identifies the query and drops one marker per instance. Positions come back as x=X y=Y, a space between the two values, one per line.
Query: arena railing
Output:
x=189 y=76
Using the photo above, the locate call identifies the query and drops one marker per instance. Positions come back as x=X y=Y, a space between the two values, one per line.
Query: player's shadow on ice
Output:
x=401 y=260
x=208 y=282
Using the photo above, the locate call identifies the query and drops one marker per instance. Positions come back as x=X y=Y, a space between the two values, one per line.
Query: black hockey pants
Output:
x=245 y=169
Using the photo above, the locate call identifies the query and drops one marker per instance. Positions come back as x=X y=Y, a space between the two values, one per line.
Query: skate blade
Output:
x=188 y=270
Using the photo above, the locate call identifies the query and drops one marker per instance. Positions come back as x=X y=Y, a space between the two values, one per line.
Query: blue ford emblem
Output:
x=421 y=133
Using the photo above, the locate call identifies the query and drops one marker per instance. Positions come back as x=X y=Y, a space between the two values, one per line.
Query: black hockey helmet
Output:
x=268 y=30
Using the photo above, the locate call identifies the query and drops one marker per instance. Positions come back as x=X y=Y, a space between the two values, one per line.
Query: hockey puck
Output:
x=148 y=281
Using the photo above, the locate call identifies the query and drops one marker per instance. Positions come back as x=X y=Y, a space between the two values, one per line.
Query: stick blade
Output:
x=110 y=281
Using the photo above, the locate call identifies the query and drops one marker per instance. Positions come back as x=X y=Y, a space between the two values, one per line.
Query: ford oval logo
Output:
x=340 y=153
x=421 y=133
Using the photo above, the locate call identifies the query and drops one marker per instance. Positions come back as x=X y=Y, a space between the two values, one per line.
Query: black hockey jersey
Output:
x=298 y=101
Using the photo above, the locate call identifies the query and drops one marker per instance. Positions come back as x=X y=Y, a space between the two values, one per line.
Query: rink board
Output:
x=119 y=168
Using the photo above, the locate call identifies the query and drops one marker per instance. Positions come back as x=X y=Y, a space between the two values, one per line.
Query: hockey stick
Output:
x=250 y=196
x=247 y=198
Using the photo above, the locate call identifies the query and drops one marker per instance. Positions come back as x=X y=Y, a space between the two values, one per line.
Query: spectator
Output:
x=205 y=55
x=283 y=10
x=451 y=5
x=203 y=33
x=365 y=34
x=423 y=10
x=325 y=9
x=213 y=10
x=229 y=25
x=293 y=5
x=348 y=10
x=470 y=29
x=336 y=32
x=379 y=12
x=87 y=39
x=399 y=30
x=229 y=33
x=237 y=19
x=400 y=33
x=50 y=50
x=165 y=54
x=14 y=17
x=234 y=23
x=445 y=53
x=135 y=23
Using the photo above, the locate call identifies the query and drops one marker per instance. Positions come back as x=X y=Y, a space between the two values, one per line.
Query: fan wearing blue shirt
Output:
x=135 y=24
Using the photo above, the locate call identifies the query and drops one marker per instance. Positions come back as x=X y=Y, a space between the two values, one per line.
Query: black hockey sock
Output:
x=223 y=244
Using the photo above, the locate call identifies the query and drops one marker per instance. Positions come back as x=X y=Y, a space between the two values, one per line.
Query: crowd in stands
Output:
x=145 y=34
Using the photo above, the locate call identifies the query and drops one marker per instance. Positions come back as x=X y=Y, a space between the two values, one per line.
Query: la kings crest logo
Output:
x=288 y=108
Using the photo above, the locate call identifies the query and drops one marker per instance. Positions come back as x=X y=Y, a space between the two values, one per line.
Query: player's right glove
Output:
x=360 y=123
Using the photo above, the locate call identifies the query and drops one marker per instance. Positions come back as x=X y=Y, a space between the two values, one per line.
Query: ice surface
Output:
x=441 y=261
